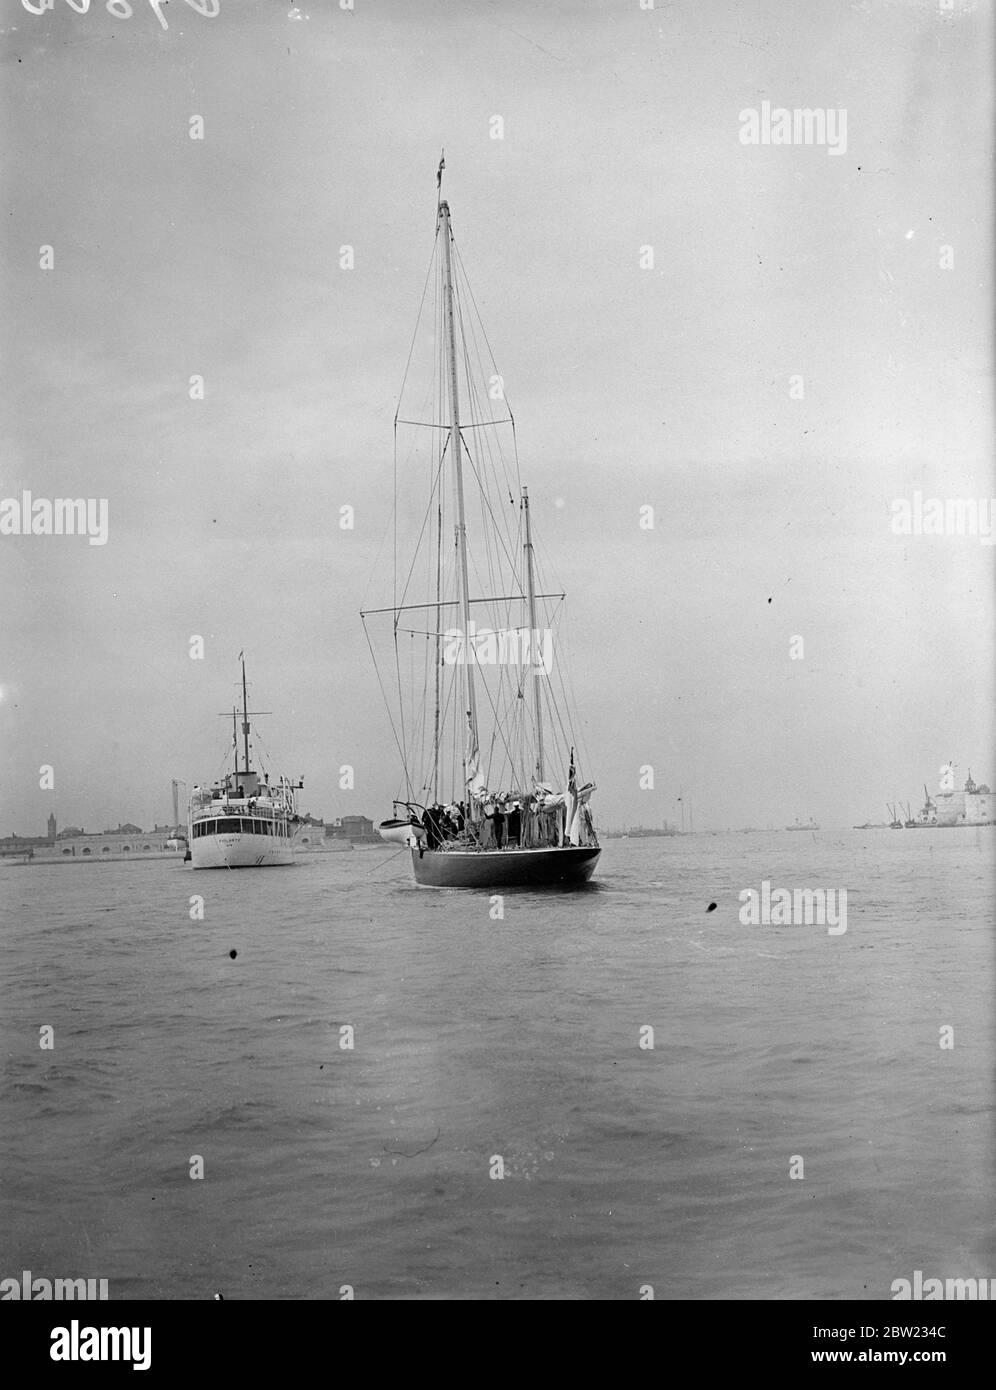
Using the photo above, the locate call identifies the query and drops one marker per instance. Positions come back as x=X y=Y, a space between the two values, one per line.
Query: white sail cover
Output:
x=573 y=805
x=476 y=784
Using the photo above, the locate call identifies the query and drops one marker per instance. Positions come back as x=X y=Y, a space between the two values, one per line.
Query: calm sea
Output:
x=476 y=1038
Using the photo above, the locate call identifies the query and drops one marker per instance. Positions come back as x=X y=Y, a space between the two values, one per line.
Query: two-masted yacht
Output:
x=243 y=821
x=470 y=653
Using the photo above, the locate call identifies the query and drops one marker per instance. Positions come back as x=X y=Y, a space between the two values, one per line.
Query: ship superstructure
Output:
x=243 y=820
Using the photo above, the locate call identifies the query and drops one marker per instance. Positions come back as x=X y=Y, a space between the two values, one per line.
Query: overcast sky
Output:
x=631 y=386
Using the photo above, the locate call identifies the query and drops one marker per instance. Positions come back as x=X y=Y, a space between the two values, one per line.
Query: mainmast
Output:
x=533 y=636
x=461 y=525
x=439 y=579
x=246 y=712
x=245 y=716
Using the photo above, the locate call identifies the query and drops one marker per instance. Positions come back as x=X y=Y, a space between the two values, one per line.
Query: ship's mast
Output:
x=245 y=718
x=439 y=579
x=461 y=525
x=533 y=636
x=246 y=711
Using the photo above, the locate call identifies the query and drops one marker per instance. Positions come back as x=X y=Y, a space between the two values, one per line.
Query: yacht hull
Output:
x=505 y=868
x=239 y=852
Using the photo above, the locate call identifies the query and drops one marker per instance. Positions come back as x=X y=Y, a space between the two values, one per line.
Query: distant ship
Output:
x=928 y=811
x=799 y=825
x=243 y=822
x=894 y=821
x=642 y=832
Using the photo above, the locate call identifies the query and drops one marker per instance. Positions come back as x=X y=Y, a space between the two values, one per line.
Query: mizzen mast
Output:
x=533 y=636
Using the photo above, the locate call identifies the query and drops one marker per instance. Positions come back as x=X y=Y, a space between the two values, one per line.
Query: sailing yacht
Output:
x=243 y=821
x=491 y=793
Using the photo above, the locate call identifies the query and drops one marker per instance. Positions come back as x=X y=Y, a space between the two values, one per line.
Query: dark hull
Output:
x=950 y=825
x=505 y=868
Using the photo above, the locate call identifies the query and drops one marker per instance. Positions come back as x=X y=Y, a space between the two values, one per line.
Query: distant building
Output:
x=24 y=844
x=358 y=830
x=122 y=843
x=311 y=831
x=126 y=842
x=72 y=832
x=972 y=806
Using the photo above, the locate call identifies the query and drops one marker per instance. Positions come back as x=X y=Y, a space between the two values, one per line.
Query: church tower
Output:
x=51 y=829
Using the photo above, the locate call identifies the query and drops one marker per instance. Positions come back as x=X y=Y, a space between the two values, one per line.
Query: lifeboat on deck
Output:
x=401 y=832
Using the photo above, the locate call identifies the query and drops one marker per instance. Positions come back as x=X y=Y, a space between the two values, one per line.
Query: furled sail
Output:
x=476 y=784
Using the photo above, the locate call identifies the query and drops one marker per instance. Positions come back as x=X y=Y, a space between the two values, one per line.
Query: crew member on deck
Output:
x=429 y=826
